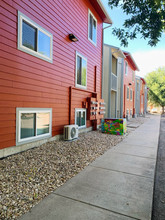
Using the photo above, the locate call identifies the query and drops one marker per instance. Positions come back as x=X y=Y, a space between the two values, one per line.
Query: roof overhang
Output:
x=131 y=59
x=116 y=52
x=143 y=80
x=101 y=10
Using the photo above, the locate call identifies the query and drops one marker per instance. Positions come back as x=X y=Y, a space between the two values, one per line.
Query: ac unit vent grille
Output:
x=70 y=132
x=66 y=133
x=73 y=132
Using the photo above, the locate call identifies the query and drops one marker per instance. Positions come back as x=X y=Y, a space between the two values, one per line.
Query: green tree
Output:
x=146 y=17
x=156 y=83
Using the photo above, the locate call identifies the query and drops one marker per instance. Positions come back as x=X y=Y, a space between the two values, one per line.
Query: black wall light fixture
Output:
x=130 y=84
x=73 y=38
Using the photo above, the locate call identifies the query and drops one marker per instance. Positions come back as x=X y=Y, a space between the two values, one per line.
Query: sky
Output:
x=146 y=57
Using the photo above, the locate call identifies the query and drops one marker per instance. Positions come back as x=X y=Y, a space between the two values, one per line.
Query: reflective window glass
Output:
x=84 y=72
x=43 y=120
x=29 y=36
x=28 y=125
x=79 y=70
x=92 y=29
x=83 y=118
x=80 y=117
x=43 y=44
x=90 y=26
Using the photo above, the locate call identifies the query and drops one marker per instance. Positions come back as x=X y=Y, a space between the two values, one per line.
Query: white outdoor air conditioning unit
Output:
x=70 y=132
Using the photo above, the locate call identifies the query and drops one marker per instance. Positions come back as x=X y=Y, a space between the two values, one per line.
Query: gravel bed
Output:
x=26 y=178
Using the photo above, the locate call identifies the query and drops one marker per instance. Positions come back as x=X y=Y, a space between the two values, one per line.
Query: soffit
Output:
x=101 y=10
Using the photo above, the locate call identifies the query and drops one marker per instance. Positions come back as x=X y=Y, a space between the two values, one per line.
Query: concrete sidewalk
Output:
x=117 y=186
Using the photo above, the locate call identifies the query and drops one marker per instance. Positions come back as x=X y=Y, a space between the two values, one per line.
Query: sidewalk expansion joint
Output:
x=99 y=207
x=132 y=174
x=138 y=145
x=116 y=152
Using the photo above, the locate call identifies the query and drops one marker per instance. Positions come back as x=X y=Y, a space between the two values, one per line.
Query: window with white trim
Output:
x=80 y=117
x=126 y=68
x=128 y=93
x=33 y=124
x=33 y=39
x=81 y=71
x=131 y=94
x=92 y=28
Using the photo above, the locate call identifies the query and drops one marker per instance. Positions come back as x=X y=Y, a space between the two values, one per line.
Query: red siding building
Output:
x=45 y=75
x=129 y=86
x=142 y=96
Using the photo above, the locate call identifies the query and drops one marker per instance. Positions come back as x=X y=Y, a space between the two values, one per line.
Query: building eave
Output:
x=129 y=56
x=116 y=51
x=143 y=80
x=101 y=10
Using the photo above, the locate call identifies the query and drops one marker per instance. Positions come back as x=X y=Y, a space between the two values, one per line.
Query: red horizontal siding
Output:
x=7 y=124
x=27 y=81
x=6 y=144
x=128 y=79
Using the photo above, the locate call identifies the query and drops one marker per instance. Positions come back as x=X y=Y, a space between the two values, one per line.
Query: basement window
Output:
x=81 y=71
x=33 y=39
x=80 y=117
x=92 y=28
x=33 y=124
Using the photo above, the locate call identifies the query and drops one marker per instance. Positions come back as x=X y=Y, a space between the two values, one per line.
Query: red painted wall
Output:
x=27 y=81
x=142 y=102
x=128 y=104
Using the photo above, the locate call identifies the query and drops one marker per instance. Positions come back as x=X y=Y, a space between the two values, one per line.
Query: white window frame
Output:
x=126 y=68
x=131 y=93
x=82 y=110
x=128 y=92
x=18 y=124
x=77 y=85
x=21 y=47
x=90 y=13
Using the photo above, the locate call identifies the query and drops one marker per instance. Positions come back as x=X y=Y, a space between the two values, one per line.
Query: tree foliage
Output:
x=156 y=83
x=147 y=17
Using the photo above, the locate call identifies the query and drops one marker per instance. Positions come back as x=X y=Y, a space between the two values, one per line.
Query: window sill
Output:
x=81 y=87
x=95 y=44
x=30 y=140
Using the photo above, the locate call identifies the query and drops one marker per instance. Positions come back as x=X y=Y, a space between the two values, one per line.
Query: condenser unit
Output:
x=70 y=132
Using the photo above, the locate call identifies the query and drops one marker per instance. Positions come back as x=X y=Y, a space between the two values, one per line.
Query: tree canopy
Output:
x=147 y=17
x=156 y=83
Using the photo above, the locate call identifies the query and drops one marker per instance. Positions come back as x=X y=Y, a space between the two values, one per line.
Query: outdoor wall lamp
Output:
x=73 y=38
x=130 y=84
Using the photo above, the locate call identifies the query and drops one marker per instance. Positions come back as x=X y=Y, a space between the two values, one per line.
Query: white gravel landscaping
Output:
x=26 y=178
